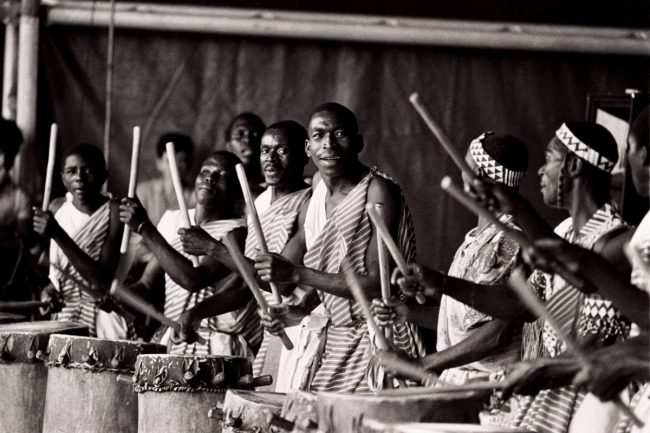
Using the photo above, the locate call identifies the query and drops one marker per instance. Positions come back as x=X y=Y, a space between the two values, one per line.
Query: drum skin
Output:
x=182 y=393
x=249 y=411
x=23 y=375
x=370 y=426
x=345 y=413
x=83 y=393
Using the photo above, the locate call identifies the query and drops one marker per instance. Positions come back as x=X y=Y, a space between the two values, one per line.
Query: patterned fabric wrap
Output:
x=487 y=257
x=345 y=359
x=80 y=307
x=490 y=166
x=575 y=145
x=243 y=322
x=579 y=315
x=277 y=224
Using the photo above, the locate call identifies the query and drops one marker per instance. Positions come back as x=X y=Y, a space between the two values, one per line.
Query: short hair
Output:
x=252 y=118
x=10 y=141
x=182 y=143
x=296 y=136
x=349 y=117
x=507 y=150
x=91 y=153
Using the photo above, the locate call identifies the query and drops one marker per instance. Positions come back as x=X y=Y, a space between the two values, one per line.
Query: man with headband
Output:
x=472 y=344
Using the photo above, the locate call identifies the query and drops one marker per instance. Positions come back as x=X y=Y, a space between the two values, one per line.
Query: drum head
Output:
x=448 y=428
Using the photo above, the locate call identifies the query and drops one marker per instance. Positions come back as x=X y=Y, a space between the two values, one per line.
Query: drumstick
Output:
x=178 y=188
x=516 y=235
x=383 y=232
x=520 y=286
x=393 y=362
x=441 y=136
x=255 y=219
x=23 y=305
x=133 y=181
x=139 y=304
x=49 y=173
x=251 y=282
x=384 y=271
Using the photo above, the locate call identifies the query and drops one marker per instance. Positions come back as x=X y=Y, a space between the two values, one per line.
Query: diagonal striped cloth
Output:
x=344 y=365
x=234 y=333
x=90 y=236
x=551 y=410
x=278 y=223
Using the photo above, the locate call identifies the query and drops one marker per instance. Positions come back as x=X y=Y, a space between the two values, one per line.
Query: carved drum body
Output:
x=345 y=413
x=23 y=374
x=370 y=426
x=83 y=393
x=299 y=412
x=183 y=393
x=250 y=411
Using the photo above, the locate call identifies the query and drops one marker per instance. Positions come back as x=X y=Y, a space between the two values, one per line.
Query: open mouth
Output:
x=330 y=158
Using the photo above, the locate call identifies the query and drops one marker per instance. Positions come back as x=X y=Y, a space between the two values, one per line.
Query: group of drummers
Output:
x=341 y=285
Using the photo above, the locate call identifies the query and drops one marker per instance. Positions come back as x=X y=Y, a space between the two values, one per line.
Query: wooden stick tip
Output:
x=170 y=148
x=414 y=97
x=445 y=183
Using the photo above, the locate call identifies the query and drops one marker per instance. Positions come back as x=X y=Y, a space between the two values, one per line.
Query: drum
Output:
x=249 y=411
x=298 y=413
x=180 y=393
x=370 y=426
x=23 y=374
x=344 y=413
x=84 y=394
x=11 y=318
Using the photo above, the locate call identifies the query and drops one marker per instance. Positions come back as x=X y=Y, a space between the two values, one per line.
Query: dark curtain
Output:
x=196 y=83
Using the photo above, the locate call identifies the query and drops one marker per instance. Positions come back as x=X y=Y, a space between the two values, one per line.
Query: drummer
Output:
x=471 y=344
x=86 y=230
x=243 y=135
x=216 y=190
x=282 y=159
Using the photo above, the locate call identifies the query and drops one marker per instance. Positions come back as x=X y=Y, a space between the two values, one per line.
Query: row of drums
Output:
x=55 y=379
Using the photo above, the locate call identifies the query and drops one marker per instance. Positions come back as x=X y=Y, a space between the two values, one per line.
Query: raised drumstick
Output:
x=255 y=219
x=178 y=189
x=133 y=182
x=383 y=232
x=49 y=173
x=139 y=304
x=441 y=136
x=251 y=282
x=520 y=285
x=384 y=271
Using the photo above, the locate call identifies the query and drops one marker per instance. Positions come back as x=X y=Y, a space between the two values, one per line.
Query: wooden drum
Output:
x=345 y=413
x=181 y=393
x=23 y=374
x=250 y=411
x=370 y=426
x=299 y=413
x=84 y=394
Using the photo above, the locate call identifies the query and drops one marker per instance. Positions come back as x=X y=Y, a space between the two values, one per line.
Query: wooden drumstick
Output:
x=441 y=136
x=251 y=282
x=518 y=282
x=133 y=182
x=447 y=185
x=393 y=362
x=383 y=232
x=139 y=304
x=255 y=219
x=178 y=189
x=384 y=271
x=49 y=173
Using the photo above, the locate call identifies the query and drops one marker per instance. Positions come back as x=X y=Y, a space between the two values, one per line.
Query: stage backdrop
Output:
x=196 y=83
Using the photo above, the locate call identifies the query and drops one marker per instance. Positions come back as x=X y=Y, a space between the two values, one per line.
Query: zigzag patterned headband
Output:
x=491 y=167
x=575 y=145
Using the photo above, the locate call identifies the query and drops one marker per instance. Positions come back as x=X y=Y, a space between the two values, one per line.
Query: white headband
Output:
x=580 y=148
x=491 y=167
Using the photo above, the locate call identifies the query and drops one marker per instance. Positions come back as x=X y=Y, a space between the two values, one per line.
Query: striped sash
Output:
x=551 y=411
x=79 y=306
x=243 y=322
x=344 y=365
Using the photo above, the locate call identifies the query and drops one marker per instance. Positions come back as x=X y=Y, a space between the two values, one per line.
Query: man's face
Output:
x=332 y=143
x=550 y=171
x=244 y=141
x=639 y=160
x=278 y=160
x=162 y=164
x=80 y=178
x=214 y=182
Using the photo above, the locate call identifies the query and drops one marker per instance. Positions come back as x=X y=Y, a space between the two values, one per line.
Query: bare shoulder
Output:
x=382 y=190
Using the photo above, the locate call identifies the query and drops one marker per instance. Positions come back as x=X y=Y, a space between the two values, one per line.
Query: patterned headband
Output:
x=581 y=149
x=491 y=167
